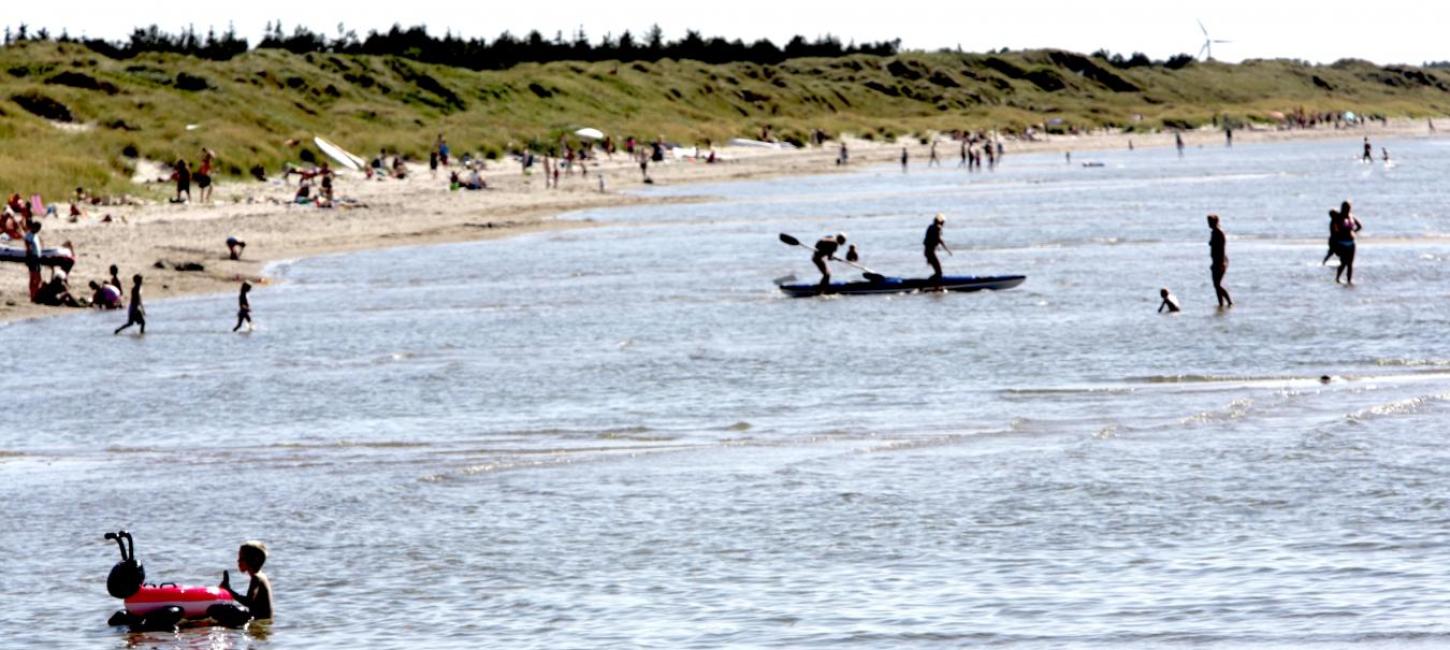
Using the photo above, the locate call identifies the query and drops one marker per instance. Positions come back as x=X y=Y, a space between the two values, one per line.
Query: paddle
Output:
x=868 y=273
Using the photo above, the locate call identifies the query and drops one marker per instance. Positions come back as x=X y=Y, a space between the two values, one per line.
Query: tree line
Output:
x=505 y=51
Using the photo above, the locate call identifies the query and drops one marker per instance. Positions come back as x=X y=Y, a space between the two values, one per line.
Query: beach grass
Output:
x=76 y=118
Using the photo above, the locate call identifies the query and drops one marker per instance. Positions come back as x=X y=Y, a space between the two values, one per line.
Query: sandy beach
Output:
x=421 y=209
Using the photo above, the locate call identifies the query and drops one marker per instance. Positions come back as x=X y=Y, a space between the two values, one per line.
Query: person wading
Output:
x=1218 y=252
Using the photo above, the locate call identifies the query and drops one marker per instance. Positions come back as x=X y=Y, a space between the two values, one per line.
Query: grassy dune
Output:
x=248 y=108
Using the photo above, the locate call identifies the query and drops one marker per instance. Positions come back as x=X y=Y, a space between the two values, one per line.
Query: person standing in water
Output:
x=1218 y=253
x=136 y=315
x=1178 y=142
x=1341 y=242
x=931 y=243
x=244 y=308
x=904 y=158
x=1368 y=151
x=934 y=161
x=826 y=248
x=1333 y=236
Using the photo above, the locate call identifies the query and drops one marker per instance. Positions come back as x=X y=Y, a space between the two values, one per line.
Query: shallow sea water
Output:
x=624 y=436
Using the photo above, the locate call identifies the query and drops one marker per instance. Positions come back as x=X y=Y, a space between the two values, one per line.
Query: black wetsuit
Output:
x=931 y=243
x=826 y=248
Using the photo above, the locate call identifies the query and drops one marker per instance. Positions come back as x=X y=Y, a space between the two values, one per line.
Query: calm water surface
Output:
x=623 y=436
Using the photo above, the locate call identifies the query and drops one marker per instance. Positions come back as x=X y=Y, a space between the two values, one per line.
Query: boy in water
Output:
x=1169 y=302
x=137 y=314
x=244 y=308
x=256 y=604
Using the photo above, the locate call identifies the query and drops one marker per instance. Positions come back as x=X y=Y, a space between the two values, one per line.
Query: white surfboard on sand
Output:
x=342 y=156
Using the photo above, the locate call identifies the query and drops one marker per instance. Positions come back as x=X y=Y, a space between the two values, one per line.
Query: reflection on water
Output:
x=624 y=436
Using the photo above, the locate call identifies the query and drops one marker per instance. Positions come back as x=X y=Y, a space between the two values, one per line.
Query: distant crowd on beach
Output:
x=21 y=220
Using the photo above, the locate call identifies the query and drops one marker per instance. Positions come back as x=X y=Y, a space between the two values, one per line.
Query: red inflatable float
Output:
x=163 y=606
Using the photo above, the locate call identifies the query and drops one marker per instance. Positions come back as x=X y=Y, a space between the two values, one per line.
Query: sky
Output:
x=1383 y=31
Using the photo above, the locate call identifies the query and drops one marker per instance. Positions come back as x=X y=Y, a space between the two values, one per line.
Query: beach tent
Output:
x=590 y=134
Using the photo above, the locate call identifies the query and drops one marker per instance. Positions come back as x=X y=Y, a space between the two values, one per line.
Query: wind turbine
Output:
x=1206 y=52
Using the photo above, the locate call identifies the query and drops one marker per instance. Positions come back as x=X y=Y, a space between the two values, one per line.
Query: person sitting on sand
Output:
x=56 y=293
x=304 y=193
x=115 y=280
x=105 y=296
x=324 y=195
x=825 y=249
x=256 y=604
x=1169 y=302
x=136 y=315
x=244 y=308
x=10 y=226
x=475 y=181
x=375 y=166
x=400 y=170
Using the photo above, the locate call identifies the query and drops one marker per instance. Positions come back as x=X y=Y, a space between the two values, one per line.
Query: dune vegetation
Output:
x=72 y=116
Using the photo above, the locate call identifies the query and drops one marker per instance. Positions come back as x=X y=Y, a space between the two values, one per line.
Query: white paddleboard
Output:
x=342 y=156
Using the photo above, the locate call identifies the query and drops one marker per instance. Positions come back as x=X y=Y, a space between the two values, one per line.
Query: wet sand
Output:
x=421 y=210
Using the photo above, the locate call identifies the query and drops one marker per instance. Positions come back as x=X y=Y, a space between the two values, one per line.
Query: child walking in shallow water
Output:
x=244 y=308
x=136 y=315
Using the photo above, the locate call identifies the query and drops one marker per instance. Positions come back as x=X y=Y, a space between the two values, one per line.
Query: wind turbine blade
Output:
x=1223 y=41
x=1205 y=29
x=1201 y=50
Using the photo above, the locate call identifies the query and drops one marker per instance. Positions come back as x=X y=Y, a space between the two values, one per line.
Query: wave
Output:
x=1408 y=406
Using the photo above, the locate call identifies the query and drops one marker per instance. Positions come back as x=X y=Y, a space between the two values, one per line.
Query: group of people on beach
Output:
x=973 y=148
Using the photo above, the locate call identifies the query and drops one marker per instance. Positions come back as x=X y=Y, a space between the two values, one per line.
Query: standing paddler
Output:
x=932 y=242
x=826 y=248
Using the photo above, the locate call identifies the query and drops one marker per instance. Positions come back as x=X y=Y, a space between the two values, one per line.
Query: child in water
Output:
x=1169 y=302
x=136 y=315
x=257 y=602
x=244 y=308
